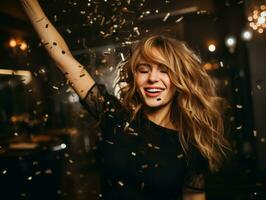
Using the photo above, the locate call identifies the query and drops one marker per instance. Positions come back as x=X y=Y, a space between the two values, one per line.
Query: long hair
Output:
x=196 y=108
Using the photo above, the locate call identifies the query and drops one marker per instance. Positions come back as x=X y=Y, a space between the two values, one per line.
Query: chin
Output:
x=154 y=104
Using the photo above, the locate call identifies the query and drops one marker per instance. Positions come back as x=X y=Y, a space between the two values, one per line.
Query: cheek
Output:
x=139 y=79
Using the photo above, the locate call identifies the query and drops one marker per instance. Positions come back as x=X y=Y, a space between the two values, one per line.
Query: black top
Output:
x=140 y=159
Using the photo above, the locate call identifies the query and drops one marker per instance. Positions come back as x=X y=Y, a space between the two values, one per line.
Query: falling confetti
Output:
x=179 y=19
x=166 y=16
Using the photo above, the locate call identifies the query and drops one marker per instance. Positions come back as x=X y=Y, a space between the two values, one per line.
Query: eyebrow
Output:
x=145 y=64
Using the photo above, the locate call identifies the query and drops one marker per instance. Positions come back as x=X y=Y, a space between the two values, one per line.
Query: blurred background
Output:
x=46 y=144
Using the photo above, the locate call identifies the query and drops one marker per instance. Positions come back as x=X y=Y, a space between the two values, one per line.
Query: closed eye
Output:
x=164 y=69
x=143 y=68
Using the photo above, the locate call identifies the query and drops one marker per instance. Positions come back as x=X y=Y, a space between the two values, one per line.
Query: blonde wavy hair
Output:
x=196 y=109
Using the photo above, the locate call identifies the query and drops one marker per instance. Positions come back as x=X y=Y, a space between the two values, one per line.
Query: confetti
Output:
x=136 y=30
x=144 y=166
x=179 y=19
x=109 y=142
x=166 y=16
x=122 y=56
x=121 y=183
x=180 y=156
x=56 y=88
x=38 y=173
x=255 y=133
x=239 y=127
x=239 y=106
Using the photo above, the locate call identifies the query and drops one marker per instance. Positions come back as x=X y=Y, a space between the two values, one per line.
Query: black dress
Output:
x=140 y=159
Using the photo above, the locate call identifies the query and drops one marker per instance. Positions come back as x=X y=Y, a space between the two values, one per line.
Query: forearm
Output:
x=79 y=78
x=46 y=31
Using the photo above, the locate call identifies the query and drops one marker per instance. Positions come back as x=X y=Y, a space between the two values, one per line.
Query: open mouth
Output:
x=153 y=92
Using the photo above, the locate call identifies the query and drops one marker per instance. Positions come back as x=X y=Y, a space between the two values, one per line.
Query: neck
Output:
x=160 y=116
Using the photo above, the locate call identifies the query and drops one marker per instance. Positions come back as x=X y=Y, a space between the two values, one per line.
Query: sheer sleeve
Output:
x=103 y=106
x=197 y=169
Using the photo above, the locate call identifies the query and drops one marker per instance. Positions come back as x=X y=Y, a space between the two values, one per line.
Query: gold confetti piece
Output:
x=56 y=88
x=259 y=87
x=179 y=19
x=68 y=31
x=48 y=171
x=102 y=21
x=239 y=127
x=144 y=166
x=150 y=145
x=68 y=90
x=122 y=56
x=166 y=16
x=239 y=106
x=133 y=154
x=255 y=133
x=221 y=64
x=156 y=147
x=180 y=156
x=38 y=173
x=29 y=178
x=4 y=171
x=23 y=194
x=68 y=172
x=136 y=30
x=109 y=142
x=121 y=183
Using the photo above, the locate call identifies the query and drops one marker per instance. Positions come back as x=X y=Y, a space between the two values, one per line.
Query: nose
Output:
x=153 y=76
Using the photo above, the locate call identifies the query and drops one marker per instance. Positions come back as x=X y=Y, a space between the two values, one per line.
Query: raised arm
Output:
x=79 y=78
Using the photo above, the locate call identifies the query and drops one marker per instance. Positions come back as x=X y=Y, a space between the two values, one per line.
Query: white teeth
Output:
x=154 y=90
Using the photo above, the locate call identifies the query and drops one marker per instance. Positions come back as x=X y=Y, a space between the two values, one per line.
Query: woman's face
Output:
x=153 y=83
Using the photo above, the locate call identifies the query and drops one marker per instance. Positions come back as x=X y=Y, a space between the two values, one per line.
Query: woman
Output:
x=164 y=133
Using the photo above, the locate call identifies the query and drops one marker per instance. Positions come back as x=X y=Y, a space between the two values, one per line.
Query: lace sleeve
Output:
x=196 y=173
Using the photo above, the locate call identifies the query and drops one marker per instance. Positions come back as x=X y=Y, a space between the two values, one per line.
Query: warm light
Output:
x=263 y=14
x=12 y=43
x=212 y=48
x=261 y=20
x=23 y=46
x=257 y=19
x=260 y=30
x=250 y=18
x=230 y=41
x=246 y=35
